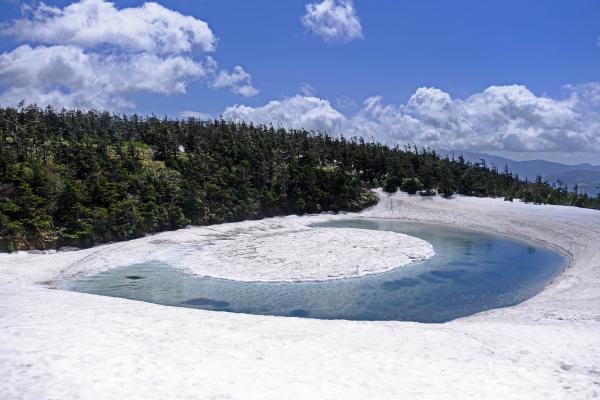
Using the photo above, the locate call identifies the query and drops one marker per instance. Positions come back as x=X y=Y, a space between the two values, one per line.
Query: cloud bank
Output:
x=91 y=54
x=335 y=21
x=503 y=118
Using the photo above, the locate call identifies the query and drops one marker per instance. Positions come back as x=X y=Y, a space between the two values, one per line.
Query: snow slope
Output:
x=66 y=345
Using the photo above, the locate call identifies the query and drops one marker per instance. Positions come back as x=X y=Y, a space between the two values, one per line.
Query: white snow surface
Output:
x=274 y=249
x=64 y=345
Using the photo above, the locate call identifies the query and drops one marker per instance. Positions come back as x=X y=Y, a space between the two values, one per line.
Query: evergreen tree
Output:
x=75 y=178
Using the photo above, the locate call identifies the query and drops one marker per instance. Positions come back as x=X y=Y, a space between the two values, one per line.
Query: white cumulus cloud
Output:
x=298 y=112
x=87 y=79
x=238 y=80
x=509 y=118
x=503 y=118
x=91 y=54
x=90 y=23
x=333 y=20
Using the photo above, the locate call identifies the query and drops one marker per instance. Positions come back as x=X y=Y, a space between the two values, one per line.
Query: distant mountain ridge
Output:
x=586 y=176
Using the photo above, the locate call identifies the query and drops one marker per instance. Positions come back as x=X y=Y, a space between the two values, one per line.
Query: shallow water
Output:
x=472 y=271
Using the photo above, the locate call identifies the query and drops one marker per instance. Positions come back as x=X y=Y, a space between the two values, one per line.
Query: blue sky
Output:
x=460 y=48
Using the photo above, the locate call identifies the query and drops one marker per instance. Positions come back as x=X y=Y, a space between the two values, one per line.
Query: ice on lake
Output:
x=471 y=271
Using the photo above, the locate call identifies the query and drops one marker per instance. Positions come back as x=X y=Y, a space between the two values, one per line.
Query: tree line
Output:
x=79 y=178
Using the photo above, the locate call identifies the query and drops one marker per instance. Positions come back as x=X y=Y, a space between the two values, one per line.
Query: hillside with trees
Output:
x=75 y=178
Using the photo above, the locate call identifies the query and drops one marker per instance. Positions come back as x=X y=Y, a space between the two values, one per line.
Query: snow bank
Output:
x=570 y=230
x=57 y=344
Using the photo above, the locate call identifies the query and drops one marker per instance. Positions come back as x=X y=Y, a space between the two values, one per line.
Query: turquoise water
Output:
x=472 y=271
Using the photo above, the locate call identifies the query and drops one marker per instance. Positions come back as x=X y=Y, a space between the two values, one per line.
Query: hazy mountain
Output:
x=585 y=175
